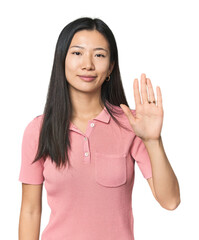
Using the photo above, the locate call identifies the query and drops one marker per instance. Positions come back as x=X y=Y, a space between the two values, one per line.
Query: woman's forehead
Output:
x=88 y=38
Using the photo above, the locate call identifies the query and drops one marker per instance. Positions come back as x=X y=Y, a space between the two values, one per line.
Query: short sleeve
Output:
x=31 y=173
x=140 y=155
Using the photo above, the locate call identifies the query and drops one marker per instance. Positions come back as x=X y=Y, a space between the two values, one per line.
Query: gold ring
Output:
x=152 y=102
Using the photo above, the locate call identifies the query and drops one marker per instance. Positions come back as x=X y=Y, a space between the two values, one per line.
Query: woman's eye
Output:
x=100 y=55
x=76 y=53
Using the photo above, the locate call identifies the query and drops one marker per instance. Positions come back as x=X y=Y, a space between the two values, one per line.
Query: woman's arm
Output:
x=30 y=214
x=164 y=183
x=147 y=124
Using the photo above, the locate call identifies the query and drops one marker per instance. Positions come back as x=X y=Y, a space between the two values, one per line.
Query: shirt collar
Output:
x=103 y=116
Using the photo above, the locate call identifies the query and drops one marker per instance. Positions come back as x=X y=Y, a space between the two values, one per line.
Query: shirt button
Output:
x=85 y=138
x=92 y=124
x=86 y=154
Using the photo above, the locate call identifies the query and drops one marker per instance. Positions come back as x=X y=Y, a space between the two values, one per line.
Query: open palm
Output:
x=148 y=118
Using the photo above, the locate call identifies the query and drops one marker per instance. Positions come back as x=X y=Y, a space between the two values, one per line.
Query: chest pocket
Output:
x=110 y=169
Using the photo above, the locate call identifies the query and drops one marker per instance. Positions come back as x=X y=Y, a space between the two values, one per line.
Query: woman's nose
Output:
x=87 y=63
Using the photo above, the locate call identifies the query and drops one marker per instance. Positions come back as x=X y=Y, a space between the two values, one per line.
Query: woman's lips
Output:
x=87 y=78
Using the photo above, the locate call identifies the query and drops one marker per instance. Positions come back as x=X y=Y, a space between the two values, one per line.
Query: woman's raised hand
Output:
x=148 y=119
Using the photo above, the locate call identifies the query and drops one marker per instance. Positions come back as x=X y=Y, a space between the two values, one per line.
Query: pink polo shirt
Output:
x=92 y=200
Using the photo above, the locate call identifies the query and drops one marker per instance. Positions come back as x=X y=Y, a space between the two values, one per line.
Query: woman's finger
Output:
x=144 y=89
x=159 y=97
x=136 y=92
x=150 y=90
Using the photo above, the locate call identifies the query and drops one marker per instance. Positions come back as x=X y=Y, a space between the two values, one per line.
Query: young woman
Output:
x=85 y=144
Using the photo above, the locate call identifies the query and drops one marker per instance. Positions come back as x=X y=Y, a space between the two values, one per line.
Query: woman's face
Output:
x=88 y=56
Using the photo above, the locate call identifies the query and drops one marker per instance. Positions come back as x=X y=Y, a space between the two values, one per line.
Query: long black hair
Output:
x=54 y=134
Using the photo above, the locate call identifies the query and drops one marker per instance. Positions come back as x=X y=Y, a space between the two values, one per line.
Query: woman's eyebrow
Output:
x=98 y=48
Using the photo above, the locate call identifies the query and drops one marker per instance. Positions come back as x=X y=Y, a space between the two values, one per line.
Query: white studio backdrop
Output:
x=158 y=38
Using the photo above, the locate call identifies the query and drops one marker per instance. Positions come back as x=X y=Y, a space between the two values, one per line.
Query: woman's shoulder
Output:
x=121 y=116
x=34 y=124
